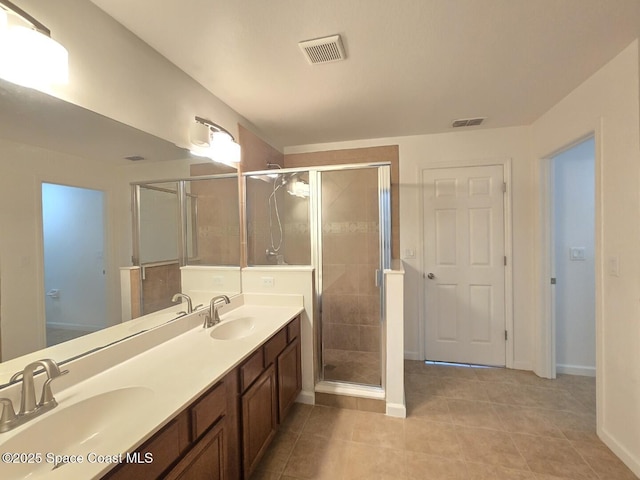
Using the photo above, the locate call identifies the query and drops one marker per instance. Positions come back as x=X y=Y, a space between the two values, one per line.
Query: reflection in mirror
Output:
x=159 y=219
x=214 y=236
x=183 y=224
x=73 y=235
x=44 y=140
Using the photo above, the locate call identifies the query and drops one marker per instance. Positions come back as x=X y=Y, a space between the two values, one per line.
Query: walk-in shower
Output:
x=336 y=219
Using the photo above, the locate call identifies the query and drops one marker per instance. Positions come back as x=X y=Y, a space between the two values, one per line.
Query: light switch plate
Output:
x=577 y=254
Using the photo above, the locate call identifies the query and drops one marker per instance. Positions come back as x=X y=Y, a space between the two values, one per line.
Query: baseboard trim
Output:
x=576 y=370
x=75 y=326
x=397 y=410
x=412 y=356
x=306 y=397
x=522 y=366
x=621 y=452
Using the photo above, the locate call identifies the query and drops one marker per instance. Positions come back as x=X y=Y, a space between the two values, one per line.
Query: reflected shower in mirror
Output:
x=187 y=228
x=47 y=141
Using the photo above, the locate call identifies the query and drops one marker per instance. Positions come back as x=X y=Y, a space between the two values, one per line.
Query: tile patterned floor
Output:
x=462 y=424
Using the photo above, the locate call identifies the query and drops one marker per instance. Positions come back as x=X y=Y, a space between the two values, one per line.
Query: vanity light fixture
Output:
x=28 y=54
x=210 y=140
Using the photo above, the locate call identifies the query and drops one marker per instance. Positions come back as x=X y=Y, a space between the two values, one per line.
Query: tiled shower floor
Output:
x=462 y=423
x=350 y=366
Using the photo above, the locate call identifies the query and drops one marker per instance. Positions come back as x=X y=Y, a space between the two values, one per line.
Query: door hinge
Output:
x=506 y=335
x=553 y=281
x=504 y=187
x=505 y=260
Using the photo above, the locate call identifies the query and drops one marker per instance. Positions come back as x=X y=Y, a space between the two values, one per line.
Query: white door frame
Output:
x=508 y=247
x=545 y=321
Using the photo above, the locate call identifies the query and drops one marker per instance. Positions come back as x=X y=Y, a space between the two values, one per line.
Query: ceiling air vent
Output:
x=323 y=50
x=468 y=122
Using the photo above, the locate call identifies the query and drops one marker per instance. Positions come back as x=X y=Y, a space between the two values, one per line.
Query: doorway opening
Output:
x=572 y=226
x=73 y=232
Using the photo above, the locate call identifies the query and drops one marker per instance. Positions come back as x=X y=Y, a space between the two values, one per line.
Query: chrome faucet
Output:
x=178 y=296
x=28 y=406
x=213 y=317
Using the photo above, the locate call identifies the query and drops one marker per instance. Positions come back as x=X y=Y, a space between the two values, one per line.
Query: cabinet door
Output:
x=259 y=418
x=205 y=460
x=289 y=377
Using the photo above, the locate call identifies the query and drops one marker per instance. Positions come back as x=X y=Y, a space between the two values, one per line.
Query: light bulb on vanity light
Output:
x=210 y=140
x=28 y=55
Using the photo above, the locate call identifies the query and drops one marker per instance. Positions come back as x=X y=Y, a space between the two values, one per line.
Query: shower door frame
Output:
x=315 y=232
x=384 y=262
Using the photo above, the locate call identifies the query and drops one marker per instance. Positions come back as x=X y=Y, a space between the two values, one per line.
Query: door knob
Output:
x=431 y=276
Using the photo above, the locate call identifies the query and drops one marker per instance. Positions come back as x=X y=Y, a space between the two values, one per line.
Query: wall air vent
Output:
x=134 y=158
x=468 y=122
x=323 y=50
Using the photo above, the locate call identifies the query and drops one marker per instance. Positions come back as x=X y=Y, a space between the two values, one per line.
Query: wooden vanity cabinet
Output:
x=225 y=432
x=259 y=418
x=265 y=402
x=197 y=444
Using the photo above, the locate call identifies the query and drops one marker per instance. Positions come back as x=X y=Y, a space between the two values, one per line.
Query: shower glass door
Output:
x=354 y=241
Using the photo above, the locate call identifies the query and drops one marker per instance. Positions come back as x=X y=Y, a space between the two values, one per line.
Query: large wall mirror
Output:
x=66 y=220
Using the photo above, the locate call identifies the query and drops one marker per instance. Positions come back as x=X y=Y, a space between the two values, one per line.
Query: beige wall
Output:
x=607 y=104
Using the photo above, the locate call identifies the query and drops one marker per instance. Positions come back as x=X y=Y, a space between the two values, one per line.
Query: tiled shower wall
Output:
x=218 y=221
x=350 y=232
x=159 y=284
x=294 y=217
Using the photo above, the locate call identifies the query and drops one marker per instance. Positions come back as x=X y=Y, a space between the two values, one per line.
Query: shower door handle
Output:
x=378 y=278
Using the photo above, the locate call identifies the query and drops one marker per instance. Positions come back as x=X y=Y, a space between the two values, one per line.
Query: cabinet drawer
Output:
x=293 y=329
x=165 y=447
x=274 y=346
x=206 y=411
x=251 y=369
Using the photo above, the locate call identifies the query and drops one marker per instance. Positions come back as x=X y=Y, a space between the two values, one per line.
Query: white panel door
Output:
x=464 y=264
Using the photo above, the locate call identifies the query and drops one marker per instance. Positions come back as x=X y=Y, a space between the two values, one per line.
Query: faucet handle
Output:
x=47 y=398
x=8 y=413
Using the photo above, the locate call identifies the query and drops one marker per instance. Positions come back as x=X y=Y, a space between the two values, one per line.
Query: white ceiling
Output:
x=413 y=66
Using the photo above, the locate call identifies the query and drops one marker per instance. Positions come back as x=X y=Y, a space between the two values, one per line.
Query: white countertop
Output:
x=169 y=367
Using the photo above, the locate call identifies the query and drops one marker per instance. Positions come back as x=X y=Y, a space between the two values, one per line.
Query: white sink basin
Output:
x=234 y=329
x=79 y=429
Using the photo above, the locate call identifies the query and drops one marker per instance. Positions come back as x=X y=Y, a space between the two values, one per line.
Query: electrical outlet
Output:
x=218 y=281
x=268 y=282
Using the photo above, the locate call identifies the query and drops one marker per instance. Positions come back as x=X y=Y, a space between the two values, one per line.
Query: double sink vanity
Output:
x=178 y=401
